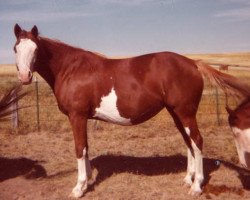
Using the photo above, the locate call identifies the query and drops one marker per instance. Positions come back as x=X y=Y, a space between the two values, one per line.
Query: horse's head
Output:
x=239 y=120
x=26 y=52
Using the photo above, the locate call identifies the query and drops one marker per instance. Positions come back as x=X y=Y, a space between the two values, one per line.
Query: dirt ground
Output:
x=140 y=162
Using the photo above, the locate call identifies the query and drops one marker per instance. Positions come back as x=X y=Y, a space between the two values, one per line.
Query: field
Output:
x=233 y=59
x=146 y=161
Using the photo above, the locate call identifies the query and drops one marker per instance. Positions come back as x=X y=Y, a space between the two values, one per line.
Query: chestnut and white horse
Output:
x=239 y=121
x=122 y=91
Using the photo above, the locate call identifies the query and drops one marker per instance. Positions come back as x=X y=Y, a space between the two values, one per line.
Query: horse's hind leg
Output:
x=188 y=180
x=187 y=125
x=195 y=161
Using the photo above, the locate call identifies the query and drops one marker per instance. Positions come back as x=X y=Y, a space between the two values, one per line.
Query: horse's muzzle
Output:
x=25 y=78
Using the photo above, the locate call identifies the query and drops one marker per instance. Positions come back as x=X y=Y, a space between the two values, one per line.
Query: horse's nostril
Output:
x=17 y=68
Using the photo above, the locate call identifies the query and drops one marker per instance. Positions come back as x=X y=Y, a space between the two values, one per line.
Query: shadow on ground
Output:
x=149 y=166
x=107 y=165
x=243 y=174
x=11 y=168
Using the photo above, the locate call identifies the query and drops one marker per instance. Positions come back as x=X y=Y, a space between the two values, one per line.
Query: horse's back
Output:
x=173 y=76
x=153 y=81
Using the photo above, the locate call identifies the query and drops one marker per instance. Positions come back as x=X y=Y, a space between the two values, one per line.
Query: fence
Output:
x=38 y=109
x=42 y=113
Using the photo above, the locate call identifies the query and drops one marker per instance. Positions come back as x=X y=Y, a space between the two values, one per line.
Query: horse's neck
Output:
x=55 y=58
x=47 y=76
x=48 y=62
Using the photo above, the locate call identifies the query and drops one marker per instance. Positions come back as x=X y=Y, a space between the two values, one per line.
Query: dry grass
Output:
x=7 y=70
x=129 y=163
x=237 y=59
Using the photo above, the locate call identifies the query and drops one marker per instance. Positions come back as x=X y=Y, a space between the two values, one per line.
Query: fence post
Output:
x=217 y=106
x=37 y=105
x=14 y=116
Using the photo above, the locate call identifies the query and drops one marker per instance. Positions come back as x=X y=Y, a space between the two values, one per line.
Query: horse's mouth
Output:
x=25 y=79
x=247 y=160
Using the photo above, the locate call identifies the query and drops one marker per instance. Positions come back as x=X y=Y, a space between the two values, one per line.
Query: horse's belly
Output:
x=113 y=118
x=110 y=113
x=108 y=110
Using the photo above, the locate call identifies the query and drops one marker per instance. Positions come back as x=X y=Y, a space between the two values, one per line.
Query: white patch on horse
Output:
x=84 y=172
x=108 y=110
x=25 y=54
x=242 y=141
x=198 y=164
x=188 y=180
x=190 y=164
x=187 y=130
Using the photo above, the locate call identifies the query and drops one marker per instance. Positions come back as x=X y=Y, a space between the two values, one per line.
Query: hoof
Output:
x=187 y=182
x=195 y=192
x=77 y=192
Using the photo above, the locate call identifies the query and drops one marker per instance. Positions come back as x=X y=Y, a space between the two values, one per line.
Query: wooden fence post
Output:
x=217 y=106
x=37 y=104
x=14 y=115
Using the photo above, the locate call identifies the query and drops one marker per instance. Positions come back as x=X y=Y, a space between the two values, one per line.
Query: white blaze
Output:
x=242 y=141
x=108 y=110
x=25 y=55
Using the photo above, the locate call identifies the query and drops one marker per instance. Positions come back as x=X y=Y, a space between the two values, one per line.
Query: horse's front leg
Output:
x=79 y=126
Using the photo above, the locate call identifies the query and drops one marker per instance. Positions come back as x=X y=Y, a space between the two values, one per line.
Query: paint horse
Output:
x=121 y=91
x=239 y=121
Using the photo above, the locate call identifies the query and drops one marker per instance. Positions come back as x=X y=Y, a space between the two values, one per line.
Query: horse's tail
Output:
x=8 y=100
x=229 y=84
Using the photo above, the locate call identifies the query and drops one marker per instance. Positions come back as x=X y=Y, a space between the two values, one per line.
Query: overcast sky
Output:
x=131 y=27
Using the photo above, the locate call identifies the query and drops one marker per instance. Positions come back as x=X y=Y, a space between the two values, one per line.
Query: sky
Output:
x=119 y=28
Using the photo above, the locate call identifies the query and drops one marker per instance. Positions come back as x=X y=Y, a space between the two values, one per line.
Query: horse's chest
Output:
x=108 y=110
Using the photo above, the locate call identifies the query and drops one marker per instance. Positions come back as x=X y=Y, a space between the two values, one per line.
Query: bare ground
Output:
x=140 y=162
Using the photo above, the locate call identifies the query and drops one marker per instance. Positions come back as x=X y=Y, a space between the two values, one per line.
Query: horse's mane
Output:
x=60 y=43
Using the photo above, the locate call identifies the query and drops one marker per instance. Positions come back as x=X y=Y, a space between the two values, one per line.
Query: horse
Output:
x=122 y=91
x=239 y=121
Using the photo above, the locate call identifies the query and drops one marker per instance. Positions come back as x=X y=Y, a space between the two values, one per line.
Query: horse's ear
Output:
x=34 y=31
x=229 y=110
x=17 y=30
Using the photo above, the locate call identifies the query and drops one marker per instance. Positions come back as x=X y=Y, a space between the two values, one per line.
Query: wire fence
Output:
x=41 y=111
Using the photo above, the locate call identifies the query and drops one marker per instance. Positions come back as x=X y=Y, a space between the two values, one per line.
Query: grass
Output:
x=140 y=162
x=233 y=59
x=7 y=70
